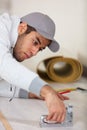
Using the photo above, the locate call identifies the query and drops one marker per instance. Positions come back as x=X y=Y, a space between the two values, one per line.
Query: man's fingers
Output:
x=53 y=117
x=49 y=117
x=57 y=117
x=62 y=97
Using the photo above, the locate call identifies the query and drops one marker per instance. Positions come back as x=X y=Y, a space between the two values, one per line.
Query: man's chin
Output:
x=22 y=59
x=19 y=59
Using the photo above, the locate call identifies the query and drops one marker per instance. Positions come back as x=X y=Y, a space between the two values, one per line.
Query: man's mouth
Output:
x=27 y=55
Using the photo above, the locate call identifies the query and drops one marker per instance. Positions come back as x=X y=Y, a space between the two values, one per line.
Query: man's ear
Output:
x=22 y=28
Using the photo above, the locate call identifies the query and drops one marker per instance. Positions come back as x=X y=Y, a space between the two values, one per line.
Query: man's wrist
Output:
x=46 y=91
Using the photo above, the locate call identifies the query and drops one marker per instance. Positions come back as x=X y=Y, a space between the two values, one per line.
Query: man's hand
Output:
x=54 y=101
x=62 y=97
x=56 y=107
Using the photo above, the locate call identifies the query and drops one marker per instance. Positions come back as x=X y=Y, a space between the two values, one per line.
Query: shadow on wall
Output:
x=84 y=71
x=5 y=6
x=83 y=61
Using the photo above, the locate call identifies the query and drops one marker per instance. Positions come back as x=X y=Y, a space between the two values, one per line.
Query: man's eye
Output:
x=35 y=42
x=41 y=49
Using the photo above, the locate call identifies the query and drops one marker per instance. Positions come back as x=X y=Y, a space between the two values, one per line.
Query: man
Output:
x=20 y=39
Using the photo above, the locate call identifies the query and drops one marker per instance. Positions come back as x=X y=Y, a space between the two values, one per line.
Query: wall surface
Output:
x=70 y=17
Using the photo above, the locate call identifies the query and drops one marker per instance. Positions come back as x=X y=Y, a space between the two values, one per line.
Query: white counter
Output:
x=24 y=114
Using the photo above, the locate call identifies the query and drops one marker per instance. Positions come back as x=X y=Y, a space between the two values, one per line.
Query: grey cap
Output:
x=43 y=25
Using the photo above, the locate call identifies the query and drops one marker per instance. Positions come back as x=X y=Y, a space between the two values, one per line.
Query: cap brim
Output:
x=54 y=46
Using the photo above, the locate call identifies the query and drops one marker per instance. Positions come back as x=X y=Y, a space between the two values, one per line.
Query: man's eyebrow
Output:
x=38 y=40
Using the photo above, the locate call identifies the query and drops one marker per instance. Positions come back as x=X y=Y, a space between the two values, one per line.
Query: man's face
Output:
x=29 y=45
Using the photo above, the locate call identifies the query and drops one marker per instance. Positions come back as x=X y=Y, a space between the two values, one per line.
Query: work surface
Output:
x=24 y=114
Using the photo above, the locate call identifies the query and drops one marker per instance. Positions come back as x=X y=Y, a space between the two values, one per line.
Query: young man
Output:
x=20 y=39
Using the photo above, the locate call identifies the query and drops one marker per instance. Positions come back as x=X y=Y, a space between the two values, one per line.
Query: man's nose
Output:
x=35 y=51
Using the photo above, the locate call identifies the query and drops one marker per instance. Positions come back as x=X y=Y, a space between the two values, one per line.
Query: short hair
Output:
x=29 y=29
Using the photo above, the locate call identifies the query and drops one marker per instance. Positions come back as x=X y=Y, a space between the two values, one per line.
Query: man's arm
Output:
x=56 y=107
x=54 y=103
x=34 y=96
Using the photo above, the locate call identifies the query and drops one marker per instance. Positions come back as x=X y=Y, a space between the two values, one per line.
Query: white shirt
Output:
x=10 y=69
